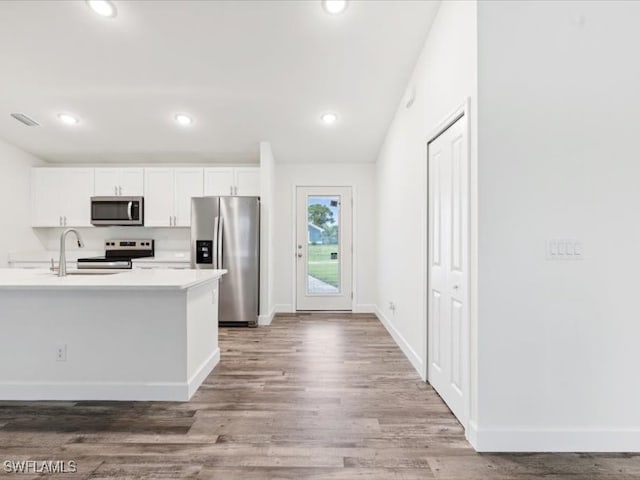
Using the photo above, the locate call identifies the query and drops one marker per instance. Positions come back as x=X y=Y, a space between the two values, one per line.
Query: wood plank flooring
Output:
x=314 y=396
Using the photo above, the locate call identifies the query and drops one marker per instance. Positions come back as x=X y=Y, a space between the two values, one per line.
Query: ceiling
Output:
x=247 y=71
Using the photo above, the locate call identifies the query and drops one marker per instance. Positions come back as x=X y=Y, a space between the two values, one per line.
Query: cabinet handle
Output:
x=235 y=190
x=60 y=221
x=65 y=220
x=231 y=190
x=120 y=190
x=170 y=221
x=175 y=221
x=115 y=190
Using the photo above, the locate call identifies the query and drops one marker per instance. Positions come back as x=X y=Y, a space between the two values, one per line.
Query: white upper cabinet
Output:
x=248 y=181
x=168 y=193
x=218 y=182
x=126 y=182
x=61 y=197
x=158 y=197
x=222 y=181
x=188 y=183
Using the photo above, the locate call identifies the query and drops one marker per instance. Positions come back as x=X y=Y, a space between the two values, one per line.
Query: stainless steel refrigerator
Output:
x=225 y=234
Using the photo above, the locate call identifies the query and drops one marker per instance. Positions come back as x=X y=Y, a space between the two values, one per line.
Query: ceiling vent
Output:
x=22 y=118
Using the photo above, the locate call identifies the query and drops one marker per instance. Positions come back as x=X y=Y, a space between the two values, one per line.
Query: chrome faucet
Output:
x=62 y=264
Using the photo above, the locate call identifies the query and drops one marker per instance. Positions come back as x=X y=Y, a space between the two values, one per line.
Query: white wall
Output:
x=444 y=77
x=15 y=201
x=558 y=154
x=267 y=188
x=361 y=177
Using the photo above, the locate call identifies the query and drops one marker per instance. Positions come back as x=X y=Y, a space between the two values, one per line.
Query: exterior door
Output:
x=448 y=323
x=323 y=249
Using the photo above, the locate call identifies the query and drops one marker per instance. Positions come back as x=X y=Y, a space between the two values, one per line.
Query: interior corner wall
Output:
x=558 y=348
x=267 y=172
x=443 y=79
x=359 y=175
x=15 y=201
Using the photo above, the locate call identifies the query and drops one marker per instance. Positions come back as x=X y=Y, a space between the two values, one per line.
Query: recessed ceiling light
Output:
x=68 y=119
x=103 y=8
x=183 y=119
x=329 y=118
x=334 y=6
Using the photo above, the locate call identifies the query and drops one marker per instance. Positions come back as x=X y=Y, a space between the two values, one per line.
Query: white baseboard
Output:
x=116 y=391
x=202 y=372
x=364 y=308
x=283 y=308
x=409 y=352
x=265 y=320
x=526 y=439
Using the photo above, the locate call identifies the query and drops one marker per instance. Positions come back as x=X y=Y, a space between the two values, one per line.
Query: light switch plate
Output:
x=564 y=249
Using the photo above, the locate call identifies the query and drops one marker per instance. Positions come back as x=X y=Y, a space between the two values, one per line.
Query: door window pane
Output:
x=323 y=245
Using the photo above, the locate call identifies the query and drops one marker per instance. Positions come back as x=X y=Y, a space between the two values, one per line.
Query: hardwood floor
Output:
x=315 y=396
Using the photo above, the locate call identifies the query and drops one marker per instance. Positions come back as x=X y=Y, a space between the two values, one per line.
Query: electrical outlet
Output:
x=392 y=307
x=564 y=249
x=61 y=353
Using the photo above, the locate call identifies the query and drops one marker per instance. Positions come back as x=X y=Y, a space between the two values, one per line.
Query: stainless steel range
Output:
x=118 y=254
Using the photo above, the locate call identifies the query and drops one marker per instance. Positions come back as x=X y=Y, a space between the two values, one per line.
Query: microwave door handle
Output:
x=129 y=212
x=216 y=222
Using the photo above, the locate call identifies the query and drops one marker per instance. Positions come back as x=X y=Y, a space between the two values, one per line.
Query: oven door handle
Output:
x=129 y=210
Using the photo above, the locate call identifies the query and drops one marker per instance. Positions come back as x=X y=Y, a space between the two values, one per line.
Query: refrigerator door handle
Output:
x=216 y=222
x=220 y=230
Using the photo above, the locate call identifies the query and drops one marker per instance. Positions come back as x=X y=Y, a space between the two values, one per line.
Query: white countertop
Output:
x=159 y=279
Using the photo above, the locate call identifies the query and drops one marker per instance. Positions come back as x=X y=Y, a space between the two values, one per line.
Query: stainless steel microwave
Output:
x=117 y=211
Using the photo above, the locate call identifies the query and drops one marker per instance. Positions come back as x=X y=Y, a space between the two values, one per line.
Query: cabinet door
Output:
x=106 y=182
x=76 y=188
x=46 y=202
x=131 y=183
x=159 y=197
x=188 y=183
x=218 y=181
x=248 y=181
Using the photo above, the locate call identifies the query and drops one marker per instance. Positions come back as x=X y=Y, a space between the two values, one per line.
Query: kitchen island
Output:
x=131 y=335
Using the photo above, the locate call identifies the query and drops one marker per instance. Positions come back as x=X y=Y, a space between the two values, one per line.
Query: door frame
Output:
x=459 y=112
x=294 y=233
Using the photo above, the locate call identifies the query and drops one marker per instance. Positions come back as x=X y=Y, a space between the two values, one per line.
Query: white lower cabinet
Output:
x=61 y=197
x=168 y=193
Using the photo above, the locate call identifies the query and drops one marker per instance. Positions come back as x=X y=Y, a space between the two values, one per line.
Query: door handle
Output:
x=220 y=265
x=216 y=223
